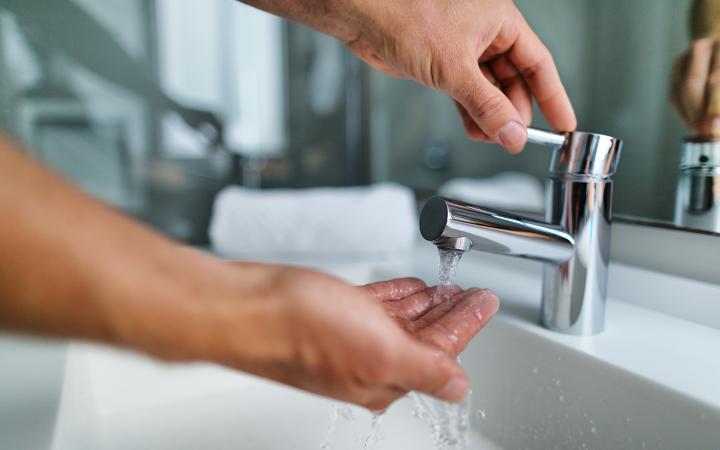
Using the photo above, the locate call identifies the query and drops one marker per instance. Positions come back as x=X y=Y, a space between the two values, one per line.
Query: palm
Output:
x=448 y=325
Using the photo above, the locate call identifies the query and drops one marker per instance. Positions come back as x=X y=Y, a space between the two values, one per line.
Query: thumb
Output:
x=431 y=372
x=489 y=108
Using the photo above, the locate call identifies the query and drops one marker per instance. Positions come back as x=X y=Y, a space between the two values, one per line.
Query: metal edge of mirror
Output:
x=666 y=248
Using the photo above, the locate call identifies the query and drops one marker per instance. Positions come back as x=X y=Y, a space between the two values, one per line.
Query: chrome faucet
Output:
x=573 y=242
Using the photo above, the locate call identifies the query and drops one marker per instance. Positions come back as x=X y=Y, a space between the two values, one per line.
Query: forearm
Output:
x=338 y=18
x=71 y=267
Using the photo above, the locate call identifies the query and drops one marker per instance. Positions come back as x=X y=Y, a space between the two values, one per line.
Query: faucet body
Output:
x=573 y=242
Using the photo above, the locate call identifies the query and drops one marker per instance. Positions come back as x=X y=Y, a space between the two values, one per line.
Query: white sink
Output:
x=538 y=395
x=527 y=393
x=649 y=382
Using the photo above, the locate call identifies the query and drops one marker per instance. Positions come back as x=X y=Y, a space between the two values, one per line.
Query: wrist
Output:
x=200 y=308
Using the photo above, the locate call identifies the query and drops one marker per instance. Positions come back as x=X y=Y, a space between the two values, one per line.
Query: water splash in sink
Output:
x=374 y=437
x=449 y=260
x=336 y=411
x=449 y=422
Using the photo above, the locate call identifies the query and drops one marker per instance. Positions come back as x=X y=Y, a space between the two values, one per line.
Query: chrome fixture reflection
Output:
x=573 y=242
x=697 y=201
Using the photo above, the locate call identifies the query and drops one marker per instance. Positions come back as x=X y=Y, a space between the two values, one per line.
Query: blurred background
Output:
x=156 y=105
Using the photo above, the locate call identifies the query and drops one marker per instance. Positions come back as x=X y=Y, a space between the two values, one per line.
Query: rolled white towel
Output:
x=510 y=190
x=375 y=221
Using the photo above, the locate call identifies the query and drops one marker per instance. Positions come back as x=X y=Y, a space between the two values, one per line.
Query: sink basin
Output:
x=540 y=396
x=634 y=386
x=214 y=408
x=527 y=393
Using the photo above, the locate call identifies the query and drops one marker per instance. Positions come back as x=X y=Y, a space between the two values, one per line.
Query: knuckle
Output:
x=691 y=90
x=714 y=78
x=446 y=71
x=487 y=107
x=544 y=58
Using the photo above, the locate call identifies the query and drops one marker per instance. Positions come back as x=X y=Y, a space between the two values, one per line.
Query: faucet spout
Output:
x=573 y=243
x=446 y=222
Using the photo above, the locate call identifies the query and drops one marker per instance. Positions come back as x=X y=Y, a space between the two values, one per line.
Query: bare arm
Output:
x=68 y=258
x=71 y=267
x=482 y=53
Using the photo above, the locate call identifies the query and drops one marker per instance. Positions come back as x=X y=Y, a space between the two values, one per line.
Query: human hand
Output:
x=695 y=87
x=448 y=323
x=480 y=52
x=119 y=283
x=366 y=345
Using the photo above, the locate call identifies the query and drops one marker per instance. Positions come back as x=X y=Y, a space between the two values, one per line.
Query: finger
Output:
x=422 y=369
x=409 y=308
x=454 y=330
x=414 y=306
x=695 y=81
x=676 y=83
x=438 y=310
x=535 y=63
x=471 y=128
x=490 y=75
x=712 y=112
x=514 y=86
x=488 y=106
x=395 y=289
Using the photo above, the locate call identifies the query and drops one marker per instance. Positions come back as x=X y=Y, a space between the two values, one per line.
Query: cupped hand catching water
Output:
x=365 y=345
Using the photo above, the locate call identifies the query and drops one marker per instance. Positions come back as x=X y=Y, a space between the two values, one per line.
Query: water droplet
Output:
x=627 y=419
x=593 y=429
x=481 y=414
x=346 y=413
x=371 y=440
x=334 y=412
x=561 y=398
x=535 y=370
x=556 y=382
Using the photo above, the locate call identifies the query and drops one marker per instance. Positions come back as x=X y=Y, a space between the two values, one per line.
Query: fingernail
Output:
x=513 y=136
x=454 y=390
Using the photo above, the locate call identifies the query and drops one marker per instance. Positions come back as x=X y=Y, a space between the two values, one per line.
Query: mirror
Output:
x=617 y=60
x=155 y=105
x=128 y=98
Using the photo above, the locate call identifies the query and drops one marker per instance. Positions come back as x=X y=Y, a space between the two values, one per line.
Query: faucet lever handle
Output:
x=548 y=138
